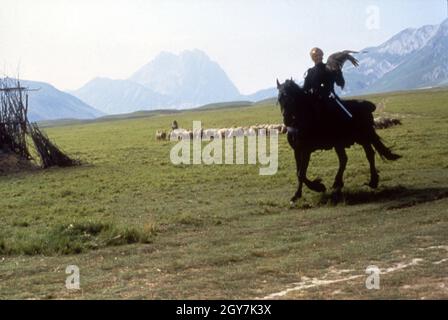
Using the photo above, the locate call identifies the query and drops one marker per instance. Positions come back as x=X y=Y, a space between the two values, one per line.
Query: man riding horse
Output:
x=320 y=81
x=318 y=120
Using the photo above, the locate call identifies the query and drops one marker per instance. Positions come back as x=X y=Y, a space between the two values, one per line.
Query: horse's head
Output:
x=290 y=98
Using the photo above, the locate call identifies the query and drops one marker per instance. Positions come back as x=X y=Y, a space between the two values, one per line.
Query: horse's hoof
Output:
x=320 y=187
x=317 y=186
x=295 y=198
x=336 y=196
x=372 y=184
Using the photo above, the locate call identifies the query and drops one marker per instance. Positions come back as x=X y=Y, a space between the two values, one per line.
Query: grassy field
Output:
x=139 y=227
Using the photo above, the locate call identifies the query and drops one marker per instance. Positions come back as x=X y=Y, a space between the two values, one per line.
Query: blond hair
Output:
x=315 y=51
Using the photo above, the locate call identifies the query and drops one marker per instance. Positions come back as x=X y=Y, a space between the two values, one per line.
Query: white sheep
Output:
x=160 y=135
x=179 y=134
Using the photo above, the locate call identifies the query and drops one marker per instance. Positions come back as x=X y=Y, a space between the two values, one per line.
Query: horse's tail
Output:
x=384 y=151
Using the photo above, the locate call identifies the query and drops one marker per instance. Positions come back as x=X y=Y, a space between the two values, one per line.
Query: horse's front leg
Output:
x=298 y=194
x=315 y=185
x=302 y=161
x=339 y=179
x=374 y=177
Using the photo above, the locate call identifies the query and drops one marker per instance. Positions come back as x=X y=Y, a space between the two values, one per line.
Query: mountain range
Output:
x=412 y=59
x=45 y=102
x=189 y=79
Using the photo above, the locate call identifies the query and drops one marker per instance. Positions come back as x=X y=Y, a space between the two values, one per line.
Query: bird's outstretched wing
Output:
x=336 y=61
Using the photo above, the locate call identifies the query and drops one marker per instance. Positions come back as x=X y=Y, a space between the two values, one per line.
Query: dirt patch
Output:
x=339 y=276
x=435 y=288
x=308 y=283
x=12 y=163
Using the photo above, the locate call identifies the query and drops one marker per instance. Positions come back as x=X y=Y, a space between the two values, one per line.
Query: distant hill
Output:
x=222 y=105
x=414 y=58
x=262 y=94
x=156 y=112
x=49 y=103
x=120 y=96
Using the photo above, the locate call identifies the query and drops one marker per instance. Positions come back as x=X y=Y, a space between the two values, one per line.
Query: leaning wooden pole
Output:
x=49 y=153
x=14 y=128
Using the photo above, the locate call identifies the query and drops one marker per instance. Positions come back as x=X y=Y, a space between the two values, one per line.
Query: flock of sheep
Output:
x=258 y=129
x=384 y=122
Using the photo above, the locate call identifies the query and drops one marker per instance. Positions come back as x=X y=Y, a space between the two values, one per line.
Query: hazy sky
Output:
x=67 y=42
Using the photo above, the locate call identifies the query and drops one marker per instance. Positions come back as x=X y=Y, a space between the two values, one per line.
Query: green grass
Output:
x=139 y=227
x=72 y=238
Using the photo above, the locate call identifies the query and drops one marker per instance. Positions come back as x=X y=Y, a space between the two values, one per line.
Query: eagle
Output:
x=336 y=62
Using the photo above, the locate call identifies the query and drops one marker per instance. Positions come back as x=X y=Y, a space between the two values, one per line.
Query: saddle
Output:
x=326 y=124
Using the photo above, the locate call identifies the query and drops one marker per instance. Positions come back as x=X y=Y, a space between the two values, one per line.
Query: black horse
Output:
x=310 y=130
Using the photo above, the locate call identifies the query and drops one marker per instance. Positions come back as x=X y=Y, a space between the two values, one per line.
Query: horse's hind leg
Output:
x=374 y=177
x=339 y=179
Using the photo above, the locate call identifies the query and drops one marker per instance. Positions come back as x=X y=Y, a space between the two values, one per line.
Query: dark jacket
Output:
x=320 y=82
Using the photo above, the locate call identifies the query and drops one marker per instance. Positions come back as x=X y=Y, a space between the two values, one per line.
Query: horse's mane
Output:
x=291 y=86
